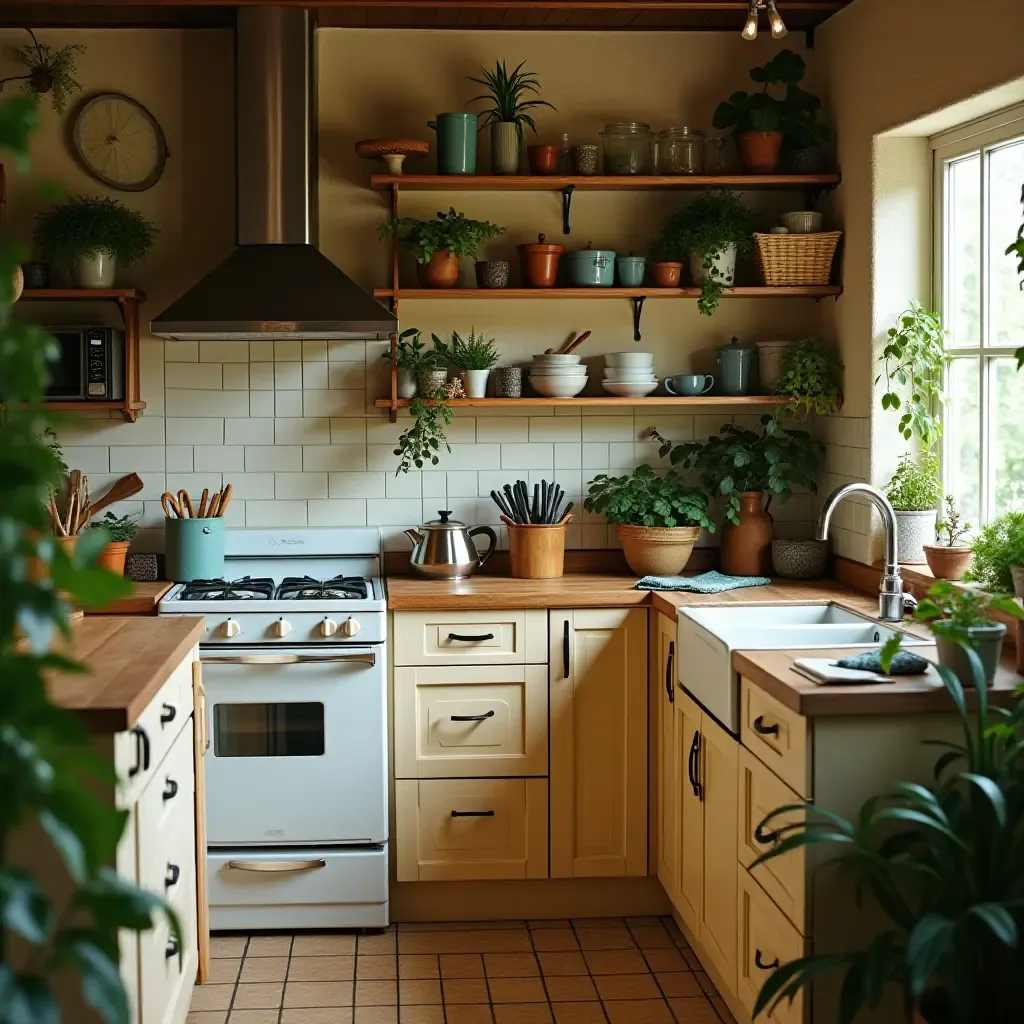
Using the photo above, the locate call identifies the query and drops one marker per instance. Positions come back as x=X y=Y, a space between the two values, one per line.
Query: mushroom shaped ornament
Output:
x=392 y=151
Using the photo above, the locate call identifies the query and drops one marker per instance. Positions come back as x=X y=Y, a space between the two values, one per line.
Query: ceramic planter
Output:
x=736 y=365
x=456 y=143
x=441 y=272
x=808 y=161
x=505 y=139
x=492 y=273
x=657 y=551
x=913 y=531
x=770 y=357
x=759 y=151
x=540 y=262
x=95 y=270
x=474 y=382
x=432 y=381
x=947 y=563
x=666 y=275
x=1017 y=572
x=37 y=275
x=406 y=383
x=747 y=547
x=543 y=159
x=724 y=263
x=112 y=557
x=987 y=643
x=630 y=270
x=799 y=559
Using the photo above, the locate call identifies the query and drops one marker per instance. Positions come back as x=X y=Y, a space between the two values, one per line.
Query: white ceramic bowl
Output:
x=630 y=375
x=559 y=371
x=630 y=389
x=556 y=359
x=803 y=222
x=632 y=360
x=558 y=387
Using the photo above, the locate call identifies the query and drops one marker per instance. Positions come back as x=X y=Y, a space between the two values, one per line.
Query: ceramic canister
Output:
x=736 y=366
x=195 y=549
x=456 y=143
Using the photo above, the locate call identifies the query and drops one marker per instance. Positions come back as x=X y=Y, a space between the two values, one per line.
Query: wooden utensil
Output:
x=169 y=503
x=202 y=502
x=225 y=497
x=127 y=487
x=572 y=344
x=185 y=504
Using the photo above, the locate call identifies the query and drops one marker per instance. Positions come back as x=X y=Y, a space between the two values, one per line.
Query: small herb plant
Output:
x=708 y=226
x=812 y=376
x=48 y=72
x=775 y=459
x=414 y=356
x=476 y=352
x=914 y=363
x=998 y=546
x=951 y=526
x=118 y=528
x=451 y=232
x=87 y=225
x=915 y=487
x=951 y=610
x=646 y=499
x=511 y=94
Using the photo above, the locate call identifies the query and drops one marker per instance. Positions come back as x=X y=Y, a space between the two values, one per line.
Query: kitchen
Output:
x=293 y=427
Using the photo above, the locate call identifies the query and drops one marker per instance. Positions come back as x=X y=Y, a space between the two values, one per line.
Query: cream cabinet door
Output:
x=688 y=896
x=598 y=758
x=663 y=668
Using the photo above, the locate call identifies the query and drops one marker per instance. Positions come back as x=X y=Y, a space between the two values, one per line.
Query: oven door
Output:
x=298 y=746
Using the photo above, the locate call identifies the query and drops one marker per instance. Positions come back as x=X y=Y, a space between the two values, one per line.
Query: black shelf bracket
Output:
x=809 y=38
x=638 y=308
x=567 y=207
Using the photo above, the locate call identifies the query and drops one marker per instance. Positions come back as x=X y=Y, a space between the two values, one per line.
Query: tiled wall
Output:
x=847 y=459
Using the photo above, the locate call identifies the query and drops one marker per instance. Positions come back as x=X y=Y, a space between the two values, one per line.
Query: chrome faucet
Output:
x=892 y=602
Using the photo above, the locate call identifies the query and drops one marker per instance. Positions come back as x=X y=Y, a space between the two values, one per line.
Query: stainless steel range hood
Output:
x=276 y=282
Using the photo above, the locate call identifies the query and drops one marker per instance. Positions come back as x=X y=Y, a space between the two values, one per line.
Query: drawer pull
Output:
x=693 y=766
x=765 y=730
x=473 y=718
x=763 y=837
x=669 y=688
x=565 y=651
x=472 y=814
x=470 y=639
x=169 y=714
x=141 y=752
x=277 y=865
x=172 y=876
x=170 y=790
x=294 y=659
x=173 y=949
x=761 y=965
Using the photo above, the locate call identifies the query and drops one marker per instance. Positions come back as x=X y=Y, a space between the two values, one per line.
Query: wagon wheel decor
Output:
x=119 y=142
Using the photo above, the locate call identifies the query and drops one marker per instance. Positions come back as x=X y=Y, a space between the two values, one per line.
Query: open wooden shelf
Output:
x=597 y=182
x=743 y=292
x=84 y=294
x=595 y=402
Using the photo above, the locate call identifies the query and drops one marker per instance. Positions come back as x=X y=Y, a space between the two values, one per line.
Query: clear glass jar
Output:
x=680 y=151
x=627 y=147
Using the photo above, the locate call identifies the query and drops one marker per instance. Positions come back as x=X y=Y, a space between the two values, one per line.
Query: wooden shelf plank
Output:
x=596 y=402
x=596 y=182
x=743 y=292
x=84 y=294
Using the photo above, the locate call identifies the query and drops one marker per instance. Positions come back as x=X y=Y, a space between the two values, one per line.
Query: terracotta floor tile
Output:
x=652 y=937
x=555 y=922
x=562 y=963
x=599 y=922
x=673 y=929
x=264 y=968
x=693 y=1011
x=555 y=939
x=375 y=1015
x=705 y=983
x=206 y=1017
x=418 y=965
x=510 y=965
x=574 y=988
x=643 y=922
x=323 y=945
x=375 y=944
x=318 y=993
x=579 y=1013
x=459 y=926
x=321 y=968
x=269 y=945
x=522 y=1013
x=505 y=941
x=224 y=971
x=318 y=1015
x=469 y=1013
x=465 y=991
x=419 y=991
x=227 y=945
x=263 y=996
x=378 y=967
x=211 y=997
x=605 y=938
x=461 y=965
x=376 y=993
x=691 y=958
x=627 y=986
x=638 y=1011
x=679 y=984
x=615 y=961
x=516 y=990
x=723 y=1011
x=665 y=960
x=253 y=1016
x=421 y=1014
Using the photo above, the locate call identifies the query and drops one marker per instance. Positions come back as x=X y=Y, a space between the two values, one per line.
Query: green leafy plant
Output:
x=646 y=499
x=47 y=71
x=914 y=363
x=117 y=528
x=421 y=444
x=46 y=756
x=476 y=352
x=813 y=376
x=712 y=223
x=512 y=95
x=86 y=225
x=951 y=526
x=794 y=113
x=775 y=459
x=1016 y=248
x=998 y=545
x=915 y=486
x=451 y=231
x=414 y=356
x=951 y=610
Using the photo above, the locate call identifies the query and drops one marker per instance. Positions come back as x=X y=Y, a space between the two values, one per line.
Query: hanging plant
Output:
x=48 y=72
x=812 y=377
x=420 y=445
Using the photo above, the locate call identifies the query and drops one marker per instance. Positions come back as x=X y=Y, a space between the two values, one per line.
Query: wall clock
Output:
x=119 y=142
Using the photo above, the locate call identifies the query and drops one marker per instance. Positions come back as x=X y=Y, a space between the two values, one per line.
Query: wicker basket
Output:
x=796 y=259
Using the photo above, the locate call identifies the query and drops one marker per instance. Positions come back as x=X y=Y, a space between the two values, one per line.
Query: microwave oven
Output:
x=89 y=366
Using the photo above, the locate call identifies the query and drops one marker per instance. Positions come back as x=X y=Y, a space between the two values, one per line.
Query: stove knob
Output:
x=282 y=628
x=350 y=627
x=231 y=628
x=328 y=627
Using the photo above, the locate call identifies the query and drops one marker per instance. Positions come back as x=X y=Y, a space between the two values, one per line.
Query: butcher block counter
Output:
x=143 y=599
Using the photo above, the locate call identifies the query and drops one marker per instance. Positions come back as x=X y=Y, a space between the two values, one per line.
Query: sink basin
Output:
x=775 y=615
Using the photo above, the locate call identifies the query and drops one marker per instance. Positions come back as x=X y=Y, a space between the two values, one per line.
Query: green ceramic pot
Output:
x=456 y=143
x=987 y=642
x=194 y=549
x=736 y=367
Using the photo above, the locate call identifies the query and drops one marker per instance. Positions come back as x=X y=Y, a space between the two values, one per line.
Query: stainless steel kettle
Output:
x=443 y=549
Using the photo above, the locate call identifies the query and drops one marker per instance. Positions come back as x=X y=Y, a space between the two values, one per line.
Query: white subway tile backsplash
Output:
x=194 y=483
x=223 y=352
x=287 y=376
x=135 y=459
x=568 y=456
x=348 y=351
x=405 y=486
x=608 y=428
x=90 y=432
x=527 y=456
x=314 y=350
x=195 y=431
x=288 y=403
x=194 y=402
x=466 y=456
x=252 y=485
x=181 y=352
x=90 y=459
x=595 y=455
x=236 y=377
x=314 y=376
x=460 y=483
x=337 y=512
x=272 y=458
x=300 y=485
x=251 y=431
x=560 y=429
x=302 y=431
x=350 y=457
x=435 y=484
x=332 y=403
x=261 y=376
x=267 y=514
x=261 y=351
x=261 y=403
x=209 y=458
x=348 y=430
x=179 y=458
x=503 y=429
x=403 y=512
x=346 y=377
x=356 y=485
x=287 y=350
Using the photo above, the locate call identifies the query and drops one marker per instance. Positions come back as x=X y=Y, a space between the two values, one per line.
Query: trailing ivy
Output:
x=812 y=376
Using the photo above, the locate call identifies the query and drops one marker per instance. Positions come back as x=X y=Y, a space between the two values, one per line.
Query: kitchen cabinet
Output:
x=598 y=727
x=670 y=759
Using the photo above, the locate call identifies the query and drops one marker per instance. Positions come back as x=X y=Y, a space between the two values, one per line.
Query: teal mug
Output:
x=689 y=384
x=194 y=549
x=456 y=143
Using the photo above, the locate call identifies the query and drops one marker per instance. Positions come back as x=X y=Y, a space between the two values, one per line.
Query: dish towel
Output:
x=706 y=583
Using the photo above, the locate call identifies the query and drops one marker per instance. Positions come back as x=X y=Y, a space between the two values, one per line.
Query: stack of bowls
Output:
x=629 y=374
x=558 y=375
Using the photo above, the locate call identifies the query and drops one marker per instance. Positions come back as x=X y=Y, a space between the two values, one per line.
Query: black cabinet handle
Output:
x=169 y=714
x=763 y=837
x=141 y=752
x=691 y=767
x=758 y=962
x=764 y=730
x=172 y=876
x=173 y=948
x=170 y=789
x=471 y=639
x=472 y=718
x=669 y=688
x=565 y=651
x=472 y=814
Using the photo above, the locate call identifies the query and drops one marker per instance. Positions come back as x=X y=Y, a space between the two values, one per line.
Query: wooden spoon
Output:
x=126 y=487
x=572 y=344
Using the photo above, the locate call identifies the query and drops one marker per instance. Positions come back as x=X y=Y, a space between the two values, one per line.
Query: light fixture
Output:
x=774 y=18
x=750 y=29
x=778 y=25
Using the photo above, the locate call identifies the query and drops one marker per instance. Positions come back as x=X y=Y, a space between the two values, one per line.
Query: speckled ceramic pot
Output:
x=492 y=273
x=508 y=381
x=799 y=559
x=913 y=531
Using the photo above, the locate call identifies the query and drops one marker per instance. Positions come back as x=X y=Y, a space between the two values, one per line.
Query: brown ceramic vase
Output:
x=947 y=563
x=747 y=547
x=441 y=272
x=540 y=262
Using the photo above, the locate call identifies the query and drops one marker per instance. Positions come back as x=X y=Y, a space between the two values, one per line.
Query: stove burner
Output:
x=305 y=588
x=245 y=589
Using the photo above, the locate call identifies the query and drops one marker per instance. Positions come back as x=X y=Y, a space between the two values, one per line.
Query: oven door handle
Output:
x=277 y=865
x=292 y=659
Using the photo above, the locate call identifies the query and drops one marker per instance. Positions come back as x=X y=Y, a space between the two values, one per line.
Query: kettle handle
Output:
x=492 y=536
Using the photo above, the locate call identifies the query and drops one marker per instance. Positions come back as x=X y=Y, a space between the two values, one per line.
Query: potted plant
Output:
x=914 y=491
x=473 y=358
x=657 y=518
x=420 y=445
x=998 y=557
x=121 y=532
x=742 y=465
x=711 y=231
x=760 y=122
x=812 y=376
x=94 y=236
x=508 y=117
x=48 y=72
x=949 y=561
x=440 y=244
x=409 y=360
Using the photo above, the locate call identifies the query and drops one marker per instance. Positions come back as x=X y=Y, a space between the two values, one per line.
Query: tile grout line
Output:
x=284 y=987
x=238 y=980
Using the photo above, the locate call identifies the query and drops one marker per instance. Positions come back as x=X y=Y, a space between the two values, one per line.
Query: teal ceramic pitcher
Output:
x=456 y=143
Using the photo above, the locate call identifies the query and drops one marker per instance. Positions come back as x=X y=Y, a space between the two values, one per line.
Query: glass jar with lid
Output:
x=681 y=151
x=627 y=147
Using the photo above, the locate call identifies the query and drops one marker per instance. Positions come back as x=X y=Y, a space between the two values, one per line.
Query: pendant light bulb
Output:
x=775 y=19
x=750 y=29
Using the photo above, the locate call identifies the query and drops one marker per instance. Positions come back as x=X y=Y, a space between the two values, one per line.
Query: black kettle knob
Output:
x=444 y=516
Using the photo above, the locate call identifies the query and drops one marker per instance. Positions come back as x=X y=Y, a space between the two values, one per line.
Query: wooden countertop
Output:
x=127 y=660
x=141 y=601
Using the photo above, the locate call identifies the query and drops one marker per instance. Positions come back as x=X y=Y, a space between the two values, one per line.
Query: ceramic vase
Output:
x=441 y=272
x=474 y=382
x=666 y=274
x=724 y=263
x=406 y=383
x=94 y=270
x=913 y=531
x=747 y=547
x=505 y=147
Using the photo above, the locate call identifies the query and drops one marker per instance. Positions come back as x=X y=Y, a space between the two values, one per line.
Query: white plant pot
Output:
x=724 y=263
x=474 y=382
x=406 y=383
x=1017 y=571
x=913 y=531
x=95 y=270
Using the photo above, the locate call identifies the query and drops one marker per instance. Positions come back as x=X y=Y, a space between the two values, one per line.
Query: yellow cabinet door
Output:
x=688 y=897
x=598 y=757
x=663 y=667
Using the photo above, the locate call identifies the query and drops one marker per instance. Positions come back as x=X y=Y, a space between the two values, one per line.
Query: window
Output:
x=979 y=173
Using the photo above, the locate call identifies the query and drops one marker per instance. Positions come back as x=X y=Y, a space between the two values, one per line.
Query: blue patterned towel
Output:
x=706 y=583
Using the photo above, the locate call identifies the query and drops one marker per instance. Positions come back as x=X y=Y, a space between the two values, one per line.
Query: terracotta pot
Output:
x=759 y=151
x=543 y=159
x=441 y=272
x=666 y=275
x=112 y=557
x=747 y=548
x=947 y=563
x=657 y=551
x=540 y=262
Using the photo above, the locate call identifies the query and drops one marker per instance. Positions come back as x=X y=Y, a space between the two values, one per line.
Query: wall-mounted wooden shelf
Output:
x=599 y=401
x=465 y=294
x=128 y=301
x=597 y=182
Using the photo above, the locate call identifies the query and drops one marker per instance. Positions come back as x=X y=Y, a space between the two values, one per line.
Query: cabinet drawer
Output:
x=776 y=736
x=766 y=939
x=461 y=829
x=784 y=879
x=479 y=638
x=470 y=720
x=167 y=969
